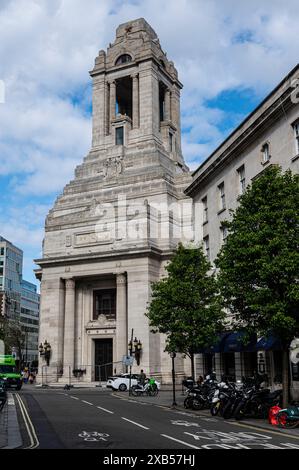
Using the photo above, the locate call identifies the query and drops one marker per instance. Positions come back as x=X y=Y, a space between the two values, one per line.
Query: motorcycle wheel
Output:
x=135 y=392
x=187 y=403
x=215 y=409
x=284 y=422
x=197 y=404
x=227 y=411
x=239 y=412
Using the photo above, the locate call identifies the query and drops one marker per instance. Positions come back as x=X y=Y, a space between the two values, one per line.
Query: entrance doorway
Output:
x=103 y=359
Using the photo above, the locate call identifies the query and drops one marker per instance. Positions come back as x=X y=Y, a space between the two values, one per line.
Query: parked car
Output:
x=122 y=382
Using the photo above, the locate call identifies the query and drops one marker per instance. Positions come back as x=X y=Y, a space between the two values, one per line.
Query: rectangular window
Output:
x=170 y=142
x=265 y=153
x=104 y=303
x=205 y=209
x=241 y=175
x=119 y=136
x=221 y=196
x=206 y=245
x=296 y=134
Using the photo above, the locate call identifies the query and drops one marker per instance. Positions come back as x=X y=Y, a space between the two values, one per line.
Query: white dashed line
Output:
x=181 y=442
x=75 y=398
x=104 y=409
x=136 y=424
x=87 y=402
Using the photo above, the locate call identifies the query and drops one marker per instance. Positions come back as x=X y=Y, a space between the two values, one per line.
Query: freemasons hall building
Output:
x=111 y=232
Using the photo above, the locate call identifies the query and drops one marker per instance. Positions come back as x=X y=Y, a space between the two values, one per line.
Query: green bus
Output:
x=9 y=372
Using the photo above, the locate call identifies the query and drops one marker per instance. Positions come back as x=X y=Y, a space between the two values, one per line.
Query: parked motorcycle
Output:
x=288 y=417
x=149 y=389
x=256 y=403
x=201 y=397
x=220 y=398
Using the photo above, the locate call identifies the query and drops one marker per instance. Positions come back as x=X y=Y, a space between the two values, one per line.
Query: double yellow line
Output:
x=34 y=442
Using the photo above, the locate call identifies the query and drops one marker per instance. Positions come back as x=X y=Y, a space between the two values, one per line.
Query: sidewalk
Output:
x=165 y=399
x=10 y=437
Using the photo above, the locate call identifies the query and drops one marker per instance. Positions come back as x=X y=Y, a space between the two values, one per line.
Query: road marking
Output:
x=75 y=398
x=181 y=442
x=136 y=424
x=277 y=433
x=34 y=442
x=87 y=402
x=104 y=409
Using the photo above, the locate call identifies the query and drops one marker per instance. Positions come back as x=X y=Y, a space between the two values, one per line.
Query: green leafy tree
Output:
x=185 y=305
x=260 y=259
x=12 y=332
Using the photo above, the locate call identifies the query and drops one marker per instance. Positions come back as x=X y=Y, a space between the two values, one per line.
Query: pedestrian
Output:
x=142 y=377
x=199 y=380
x=25 y=375
x=31 y=378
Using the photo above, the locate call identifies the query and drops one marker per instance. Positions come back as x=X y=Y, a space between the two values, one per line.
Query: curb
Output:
x=14 y=439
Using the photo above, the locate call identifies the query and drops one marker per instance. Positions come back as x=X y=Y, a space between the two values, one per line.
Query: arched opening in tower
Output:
x=124 y=96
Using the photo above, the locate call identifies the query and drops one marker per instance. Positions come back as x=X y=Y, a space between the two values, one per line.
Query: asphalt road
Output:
x=96 y=419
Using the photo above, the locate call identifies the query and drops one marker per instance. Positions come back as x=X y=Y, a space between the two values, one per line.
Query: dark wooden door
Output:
x=103 y=359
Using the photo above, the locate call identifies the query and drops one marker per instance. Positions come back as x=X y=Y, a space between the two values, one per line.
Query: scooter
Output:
x=289 y=417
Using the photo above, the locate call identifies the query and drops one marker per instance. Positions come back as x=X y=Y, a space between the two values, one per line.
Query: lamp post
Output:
x=45 y=350
x=135 y=348
x=173 y=355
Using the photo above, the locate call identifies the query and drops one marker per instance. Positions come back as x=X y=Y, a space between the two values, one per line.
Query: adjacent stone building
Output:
x=116 y=224
x=268 y=136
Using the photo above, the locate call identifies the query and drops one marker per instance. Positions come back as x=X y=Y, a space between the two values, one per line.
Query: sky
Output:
x=229 y=54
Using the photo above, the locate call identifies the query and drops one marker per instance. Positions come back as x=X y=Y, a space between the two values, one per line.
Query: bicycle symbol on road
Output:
x=93 y=436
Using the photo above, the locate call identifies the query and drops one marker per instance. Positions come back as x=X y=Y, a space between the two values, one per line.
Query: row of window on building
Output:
x=241 y=189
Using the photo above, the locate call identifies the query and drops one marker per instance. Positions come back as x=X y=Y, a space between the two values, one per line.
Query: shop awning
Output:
x=268 y=343
x=234 y=342
x=215 y=348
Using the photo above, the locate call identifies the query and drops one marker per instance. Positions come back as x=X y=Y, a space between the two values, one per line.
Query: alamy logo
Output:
x=2 y=92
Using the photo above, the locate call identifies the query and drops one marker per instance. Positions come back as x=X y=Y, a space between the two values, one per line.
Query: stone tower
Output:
x=116 y=224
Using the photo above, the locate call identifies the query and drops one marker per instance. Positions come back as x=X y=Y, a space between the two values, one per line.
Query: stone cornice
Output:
x=95 y=257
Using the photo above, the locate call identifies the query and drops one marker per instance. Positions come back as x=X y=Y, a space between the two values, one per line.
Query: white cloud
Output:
x=47 y=48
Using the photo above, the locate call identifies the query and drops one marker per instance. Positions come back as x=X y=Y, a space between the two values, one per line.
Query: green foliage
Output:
x=260 y=259
x=185 y=305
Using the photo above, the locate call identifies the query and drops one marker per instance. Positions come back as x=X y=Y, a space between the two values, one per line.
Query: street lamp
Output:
x=45 y=350
x=135 y=347
x=173 y=355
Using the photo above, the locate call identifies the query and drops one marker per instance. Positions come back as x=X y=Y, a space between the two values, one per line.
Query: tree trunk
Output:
x=192 y=365
x=285 y=378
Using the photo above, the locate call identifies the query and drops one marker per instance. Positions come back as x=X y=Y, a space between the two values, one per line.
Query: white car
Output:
x=121 y=382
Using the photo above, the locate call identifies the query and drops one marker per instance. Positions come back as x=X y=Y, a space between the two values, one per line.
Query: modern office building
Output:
x=11 y=265
x=19 y=298
x=30 y=301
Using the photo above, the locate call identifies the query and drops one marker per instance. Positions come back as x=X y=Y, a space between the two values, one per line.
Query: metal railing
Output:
x=70 y=375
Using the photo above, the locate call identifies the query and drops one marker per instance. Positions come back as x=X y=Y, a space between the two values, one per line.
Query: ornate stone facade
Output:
x=116 y=224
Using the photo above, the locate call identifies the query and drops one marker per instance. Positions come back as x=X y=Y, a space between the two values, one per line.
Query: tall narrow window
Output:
x=119 y=136
x=265 y=153
x=296 y=134
x=206 y=245
x=241 y=176
x=205 y=209
x=221 y=196
x=170 y=141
